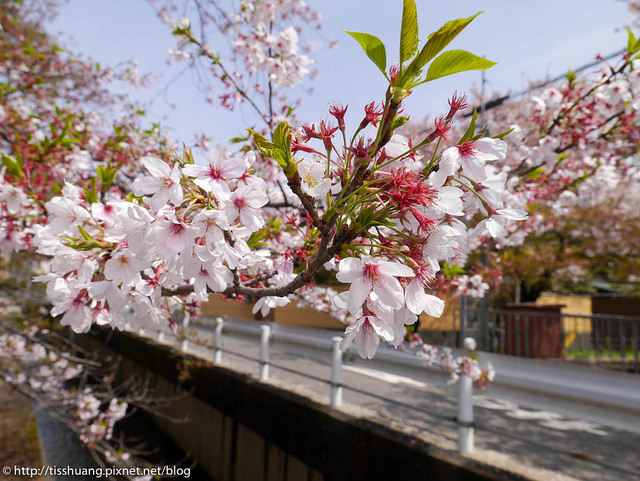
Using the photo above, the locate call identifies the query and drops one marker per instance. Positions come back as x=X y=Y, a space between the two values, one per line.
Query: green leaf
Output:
x=632 y=43
x=13 y=165
x=256 y=239
x=535 y=174
x=365 y=218
x=280 y=151
x=409 y=32
x=106 y=175
x=503 y=134
x=472 y=127
x=282 y=141
x=399 y=122
x=266 y=148
x=571 y=78
x=81 y=244
x=84 y=233
x=282 y=138
x=91 y=195
x=452 y=270
x=67 y=142
x=455 y=61
x=373 y=47
x=437 y=41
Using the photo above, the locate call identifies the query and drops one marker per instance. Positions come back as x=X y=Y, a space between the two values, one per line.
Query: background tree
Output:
x=573 y=163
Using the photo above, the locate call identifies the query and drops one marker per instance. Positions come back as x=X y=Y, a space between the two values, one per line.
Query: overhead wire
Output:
x=500 y=100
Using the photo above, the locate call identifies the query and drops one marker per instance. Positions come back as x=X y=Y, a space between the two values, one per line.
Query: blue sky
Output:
x=529 y=39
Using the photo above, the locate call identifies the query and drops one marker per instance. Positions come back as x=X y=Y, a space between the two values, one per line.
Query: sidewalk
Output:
x=536 y=444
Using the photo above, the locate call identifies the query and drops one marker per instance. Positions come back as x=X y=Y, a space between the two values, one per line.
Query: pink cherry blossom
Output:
x=245 y=203
x=222 y=168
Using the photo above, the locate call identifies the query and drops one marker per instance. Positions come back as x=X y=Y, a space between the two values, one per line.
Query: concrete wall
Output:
x=238 y=428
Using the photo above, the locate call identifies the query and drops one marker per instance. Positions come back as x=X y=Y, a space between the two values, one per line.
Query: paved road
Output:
x=538 y=444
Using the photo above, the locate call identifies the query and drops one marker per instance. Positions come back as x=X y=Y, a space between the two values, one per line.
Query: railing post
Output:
x=636 y=342
x=622 y=341
x=465 y=408
x=185 y=326
x=336 y=373
x=483 y=324
x=463 y=320
x=217 y=354
x=264 y=351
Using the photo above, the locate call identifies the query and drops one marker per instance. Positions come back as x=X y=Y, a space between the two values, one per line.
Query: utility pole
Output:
x=483 y=81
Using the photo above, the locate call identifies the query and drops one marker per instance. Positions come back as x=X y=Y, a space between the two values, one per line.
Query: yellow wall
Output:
x=445 y=321
x=577 y=305
x=292 y=315
x=216 y=306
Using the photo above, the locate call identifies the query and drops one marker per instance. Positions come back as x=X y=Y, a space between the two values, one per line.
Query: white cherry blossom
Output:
x=471 y=156
x=313 y=175
x=163 y=183
x=373 y=274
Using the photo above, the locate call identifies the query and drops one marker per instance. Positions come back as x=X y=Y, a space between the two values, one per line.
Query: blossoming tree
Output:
x=131 y=227
x=572 y=166
x=264 y=223
x=51 y=133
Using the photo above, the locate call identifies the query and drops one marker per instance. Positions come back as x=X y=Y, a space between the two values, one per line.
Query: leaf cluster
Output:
x=279 y=149
x=411 y=75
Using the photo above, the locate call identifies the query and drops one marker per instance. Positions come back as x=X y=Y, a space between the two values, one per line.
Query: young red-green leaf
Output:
x=282 y=138
x=437 y=41
x=455 y=61
x=279 y=149
x=267 y=148
x=374 y=48
x=409 y=32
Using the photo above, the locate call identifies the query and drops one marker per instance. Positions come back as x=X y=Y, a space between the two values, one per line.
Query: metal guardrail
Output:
x=607 y=341
x=517 y=377
x=622 y=391
x=267 y=334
